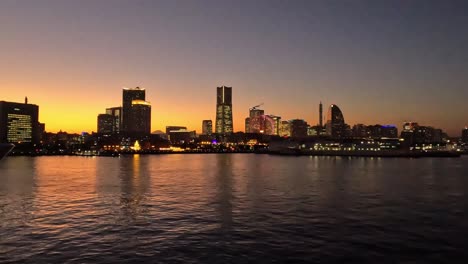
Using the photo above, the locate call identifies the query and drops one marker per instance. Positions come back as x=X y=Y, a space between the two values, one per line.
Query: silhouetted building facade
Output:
x=141 y=118
x=128 y=116
x=299 y=128
x=105 y=124
x=335 y=122
x=19 y=122
x=224 y=123
x=464 y=136
x=207 y=127
x=247 y=125
x=389 y=131
x=170 y=129
x=179 y=135
x=360 y=131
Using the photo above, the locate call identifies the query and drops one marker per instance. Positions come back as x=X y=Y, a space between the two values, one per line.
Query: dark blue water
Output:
x=233 y=208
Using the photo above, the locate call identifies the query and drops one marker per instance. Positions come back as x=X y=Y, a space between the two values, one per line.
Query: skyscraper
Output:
x=116 y=112
x=335 y=122
x=19 y=122
x=320 y=114
x=207 y=127
x=128 y=96
x=141 y=118
x=105 y=123
x=224 y=124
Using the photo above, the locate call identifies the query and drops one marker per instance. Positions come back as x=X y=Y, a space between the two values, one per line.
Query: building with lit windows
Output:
x=285 y=129
x=141 y=118
x=276 y=124
x=105 y=123
x=19 y=122
x=336 y=127
x=128 y=96
x=247 y=125
x=252 y=120
x=116 y=112
x=263 y=124
x=224 y=123
x=207 y=127
x=170 y=129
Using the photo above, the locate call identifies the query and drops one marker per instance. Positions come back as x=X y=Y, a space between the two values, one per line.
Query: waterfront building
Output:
x=253 y=122
x=360 y=131
x=19 y=122
x=276 y=124
x=298 y=128
x=313 y=131
x=285 y=129
x=389 y=131
x=170 y=129
x=410 y=126
x=247 y=125
x=140 y=118
x=320 y=115
x=207 y=127
x=116 y=112
x=263 y=124
x=335 y=122
x=181 y=136
x=224 y=122
x=128 y=96
x=105 y=123
x=464 y=136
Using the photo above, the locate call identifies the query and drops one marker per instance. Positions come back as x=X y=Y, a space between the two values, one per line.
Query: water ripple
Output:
x=232 y=209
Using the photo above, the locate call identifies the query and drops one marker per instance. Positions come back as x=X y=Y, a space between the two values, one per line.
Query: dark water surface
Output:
x=233 y=208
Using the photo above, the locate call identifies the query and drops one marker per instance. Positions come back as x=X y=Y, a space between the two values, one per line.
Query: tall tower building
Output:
x=224 y=124
x=207 y=127
x=128 y=96
x=141 y=118
x=321 y=115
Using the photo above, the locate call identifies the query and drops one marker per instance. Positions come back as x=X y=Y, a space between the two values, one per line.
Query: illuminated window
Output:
x=19 y=128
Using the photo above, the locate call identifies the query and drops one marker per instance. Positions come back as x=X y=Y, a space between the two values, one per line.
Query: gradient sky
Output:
x=380 y=61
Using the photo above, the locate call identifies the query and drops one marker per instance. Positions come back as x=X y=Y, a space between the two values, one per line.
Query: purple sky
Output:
x=380 y=61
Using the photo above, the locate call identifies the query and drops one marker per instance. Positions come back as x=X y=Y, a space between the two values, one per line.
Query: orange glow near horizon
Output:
x=76 y=112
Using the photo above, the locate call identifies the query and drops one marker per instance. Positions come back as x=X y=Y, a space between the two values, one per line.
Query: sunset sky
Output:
x=380 y=61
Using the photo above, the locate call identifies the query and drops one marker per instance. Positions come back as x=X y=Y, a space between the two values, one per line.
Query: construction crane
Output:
x=255 y=107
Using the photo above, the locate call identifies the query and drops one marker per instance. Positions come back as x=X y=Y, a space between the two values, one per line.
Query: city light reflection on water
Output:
x=232 y=207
